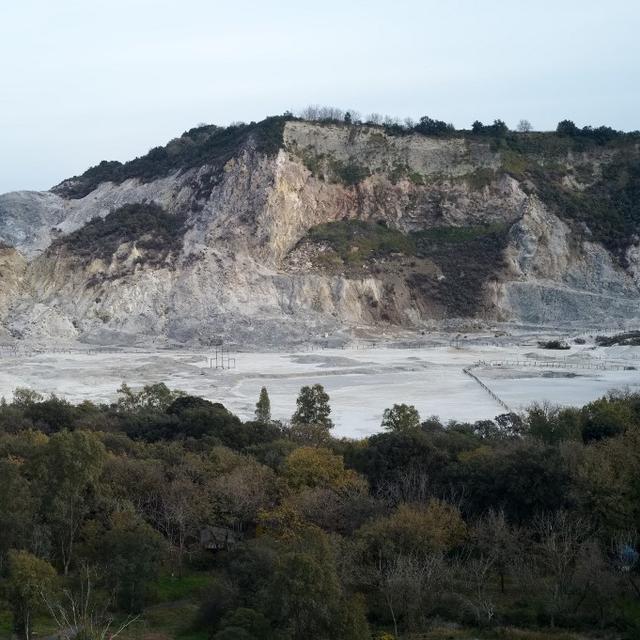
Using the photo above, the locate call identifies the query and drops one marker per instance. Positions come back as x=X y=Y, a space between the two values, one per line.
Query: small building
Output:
x=216 y=538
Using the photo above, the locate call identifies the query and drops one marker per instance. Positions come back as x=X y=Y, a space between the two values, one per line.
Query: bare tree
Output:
x=524 y=126
x=477 y=575
x=561 y=538
x=410 y=584
x=318 y=113
x=81 y=613
x=498 y=541
x=595 y=582
x=411 y=484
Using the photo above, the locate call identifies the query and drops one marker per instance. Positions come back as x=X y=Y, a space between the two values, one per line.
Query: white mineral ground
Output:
x=362 y=382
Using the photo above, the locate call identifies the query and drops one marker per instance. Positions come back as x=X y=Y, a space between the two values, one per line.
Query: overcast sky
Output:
x=86 y=80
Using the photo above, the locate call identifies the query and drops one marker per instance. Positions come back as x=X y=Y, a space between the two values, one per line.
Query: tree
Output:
x=131 y=553
x=313 y=407
x=67 y=472
x=499 y=128
x=239 y=494
x=524 y=126
x=263 y=407
x=410 y=529
x=410 y=585
x=605 y=418
x=402 y=417
x=496 y=540
x=16 y=509
x=23 y=397
x=567 y=128
x=152 y=397
x=29 y=578
x=82 y=614
x=428 y=126
x=253 y=624
x=306 y=593
x=316 y=467
x=307 y=599
x=560 y=538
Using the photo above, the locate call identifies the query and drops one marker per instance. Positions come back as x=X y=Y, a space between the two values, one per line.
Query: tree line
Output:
x=528 y=520
x=427 y=125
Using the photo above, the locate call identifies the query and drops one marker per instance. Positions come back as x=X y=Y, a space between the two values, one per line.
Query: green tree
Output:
x=243 y=622
x=29 y=578
x=306 y=596
x=401 y=417
x=313 y=407
x=67 y=474
x=23 y=397
x=132 y=552
x=263 y=407
x=567 y=128
x=152 y=397
x=16 y=508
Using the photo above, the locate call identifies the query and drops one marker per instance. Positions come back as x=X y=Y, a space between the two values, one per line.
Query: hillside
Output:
x=284 y=230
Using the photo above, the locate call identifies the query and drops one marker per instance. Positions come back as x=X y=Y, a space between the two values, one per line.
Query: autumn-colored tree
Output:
x=415 y=529
x=316 y=467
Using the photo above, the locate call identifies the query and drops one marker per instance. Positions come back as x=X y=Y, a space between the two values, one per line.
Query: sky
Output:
x=86 y=80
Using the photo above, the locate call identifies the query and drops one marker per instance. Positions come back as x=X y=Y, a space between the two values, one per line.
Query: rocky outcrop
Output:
x=244 y=271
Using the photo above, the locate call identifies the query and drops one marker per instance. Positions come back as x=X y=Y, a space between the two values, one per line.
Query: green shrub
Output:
x=349 y=173
x=154 y=231
x=200 y=146
x=355 y=240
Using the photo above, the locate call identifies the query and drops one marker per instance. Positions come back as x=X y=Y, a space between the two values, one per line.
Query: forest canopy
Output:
x=164 y=513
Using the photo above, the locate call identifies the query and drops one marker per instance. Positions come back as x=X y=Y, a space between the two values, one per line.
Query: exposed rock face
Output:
x=243 y=270
x=561 y=279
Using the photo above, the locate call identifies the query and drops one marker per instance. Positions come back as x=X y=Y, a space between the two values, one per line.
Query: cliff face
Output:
x=340 y=227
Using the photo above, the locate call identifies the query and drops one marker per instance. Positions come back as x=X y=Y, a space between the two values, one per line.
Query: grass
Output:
x=498 y=633
x=356 y=241
x=170 y=588
x=5 y=624
x=171 y=621
x=458 y=235
x=42 y=625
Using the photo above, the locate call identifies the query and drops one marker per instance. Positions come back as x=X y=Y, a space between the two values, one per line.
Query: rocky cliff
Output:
x=284 y=231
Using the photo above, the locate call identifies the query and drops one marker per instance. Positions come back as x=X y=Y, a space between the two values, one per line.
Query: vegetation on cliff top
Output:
x=207 y=144
x=211 y=144
x=608 y=207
